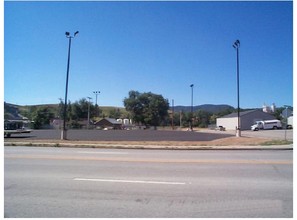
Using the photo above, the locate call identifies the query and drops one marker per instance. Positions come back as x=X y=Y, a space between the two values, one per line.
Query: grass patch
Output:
x=277 y=142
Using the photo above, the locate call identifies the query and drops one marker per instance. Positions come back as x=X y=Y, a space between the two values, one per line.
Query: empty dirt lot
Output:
x=154 y=137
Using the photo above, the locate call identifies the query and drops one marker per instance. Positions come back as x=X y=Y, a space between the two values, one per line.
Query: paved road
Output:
x=64 y=182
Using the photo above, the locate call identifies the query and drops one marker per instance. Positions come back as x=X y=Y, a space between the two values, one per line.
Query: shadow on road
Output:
x=19 y=136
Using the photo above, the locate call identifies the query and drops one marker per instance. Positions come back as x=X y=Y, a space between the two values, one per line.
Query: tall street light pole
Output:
x=236 y=45
x=191 y=119
x=96 y=93
x=172 y=119
x=88 y=125
x=64 y=130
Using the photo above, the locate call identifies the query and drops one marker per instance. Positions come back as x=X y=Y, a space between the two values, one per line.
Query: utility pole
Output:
x=97 y=109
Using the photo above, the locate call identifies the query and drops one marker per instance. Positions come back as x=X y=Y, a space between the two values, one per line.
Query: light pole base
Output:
x=64 y=134
x=238 y=133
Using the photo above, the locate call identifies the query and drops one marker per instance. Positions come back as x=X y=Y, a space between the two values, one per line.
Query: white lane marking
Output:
x=130 y=181
x=99 y=152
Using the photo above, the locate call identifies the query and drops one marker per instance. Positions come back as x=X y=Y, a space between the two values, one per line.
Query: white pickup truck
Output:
x=268 y=124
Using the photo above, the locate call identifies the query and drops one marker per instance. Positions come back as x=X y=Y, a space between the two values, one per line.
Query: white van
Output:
x=268 y=124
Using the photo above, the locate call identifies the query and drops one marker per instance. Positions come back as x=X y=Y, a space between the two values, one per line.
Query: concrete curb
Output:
x=156 y=147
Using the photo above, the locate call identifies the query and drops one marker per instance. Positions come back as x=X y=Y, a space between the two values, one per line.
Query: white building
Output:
x=247 y=119
x=269 y=109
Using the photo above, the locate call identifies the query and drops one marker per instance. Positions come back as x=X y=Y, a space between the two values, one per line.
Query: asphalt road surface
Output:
x=122 y=135
x=65 y=182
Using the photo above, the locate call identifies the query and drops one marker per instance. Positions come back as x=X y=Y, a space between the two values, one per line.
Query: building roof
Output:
x=110 y=120
x=113 y=121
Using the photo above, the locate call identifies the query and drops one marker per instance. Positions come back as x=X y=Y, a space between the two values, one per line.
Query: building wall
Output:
x=105 y=124
x=249 y=119
x=228 y=123
x=290 y=120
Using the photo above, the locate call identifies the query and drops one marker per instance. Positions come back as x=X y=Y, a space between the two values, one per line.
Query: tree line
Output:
x=41 y=116
x=147 y=109
x=151 y=109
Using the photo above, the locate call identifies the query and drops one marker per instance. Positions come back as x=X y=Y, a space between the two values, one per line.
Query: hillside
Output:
x=15 y=109
x=12 y=111
x=207 y=107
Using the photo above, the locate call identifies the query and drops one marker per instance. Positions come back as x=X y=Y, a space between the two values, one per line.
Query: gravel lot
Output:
x=271 y=134
x=203 y=137
x=122 y=135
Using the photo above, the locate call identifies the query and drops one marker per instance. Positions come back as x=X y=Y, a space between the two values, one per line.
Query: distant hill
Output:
x=207 y=107
x=12 y=111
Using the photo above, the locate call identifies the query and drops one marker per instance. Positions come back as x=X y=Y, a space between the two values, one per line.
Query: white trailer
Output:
x=15 y=127
x=268 y=124
x=290 y=122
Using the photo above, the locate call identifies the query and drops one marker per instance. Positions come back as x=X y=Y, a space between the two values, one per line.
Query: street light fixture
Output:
x=64 y=130
x=236 y=45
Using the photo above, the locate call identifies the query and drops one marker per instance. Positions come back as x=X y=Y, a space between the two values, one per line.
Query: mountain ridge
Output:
x=12 y=111
x=212 y=108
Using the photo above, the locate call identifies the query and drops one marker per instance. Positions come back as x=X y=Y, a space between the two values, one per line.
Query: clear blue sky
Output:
x=159 y=47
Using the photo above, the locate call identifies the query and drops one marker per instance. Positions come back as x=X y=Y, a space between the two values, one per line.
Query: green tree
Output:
x=79 y=109
x=42 y=117
x=278 y=113
x=114 y=113
x=134 y=106
x=226 y=112
x=213 y=119
x=146 y=108
x=177 y=117
x=202 y=118
x=60 y=110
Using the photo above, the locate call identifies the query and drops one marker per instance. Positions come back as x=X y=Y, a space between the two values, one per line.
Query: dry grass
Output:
x=230 y=141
